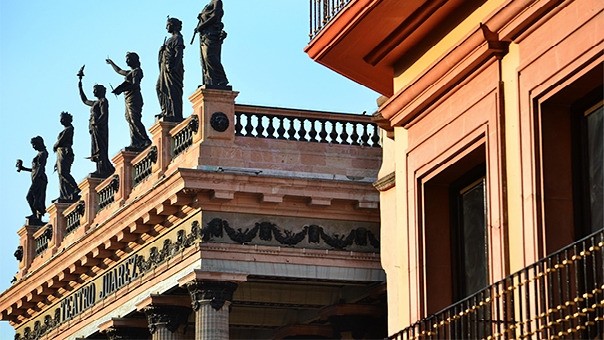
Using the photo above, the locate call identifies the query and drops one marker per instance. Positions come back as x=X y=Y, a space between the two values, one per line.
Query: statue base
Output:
x=30 y=220
x=168 y=119
x=98 y=175
x=66 y=200
x=216 y=87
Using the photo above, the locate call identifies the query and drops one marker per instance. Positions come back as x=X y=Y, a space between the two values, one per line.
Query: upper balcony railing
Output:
x=560 y=296
x=343 y=129
x=321 y=13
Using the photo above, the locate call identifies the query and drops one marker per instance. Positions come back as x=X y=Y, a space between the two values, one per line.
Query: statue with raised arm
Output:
x=171 y=73
x=211 y=35
x=36 y=196
x=68 y=188
x=131 y=88
x=98 y=127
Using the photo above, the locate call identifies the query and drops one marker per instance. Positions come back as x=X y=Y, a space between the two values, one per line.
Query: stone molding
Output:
x=385 y=183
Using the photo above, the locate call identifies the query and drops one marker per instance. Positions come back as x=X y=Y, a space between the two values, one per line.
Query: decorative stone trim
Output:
x=267 y=231
x=385 y=183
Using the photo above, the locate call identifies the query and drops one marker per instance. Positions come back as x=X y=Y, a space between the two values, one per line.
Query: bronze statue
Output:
x=36 y=196
x=171 y=73
x=68 y=188
x=99 y=128
x=134 y=100
x=211 y=36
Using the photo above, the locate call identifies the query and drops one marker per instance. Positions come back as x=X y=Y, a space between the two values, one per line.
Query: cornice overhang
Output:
x=186 y=189
x=488 y=40
x=365 y=39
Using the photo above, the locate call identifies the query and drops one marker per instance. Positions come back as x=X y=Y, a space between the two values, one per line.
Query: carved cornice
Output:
x=385 y=183
x=216 y=292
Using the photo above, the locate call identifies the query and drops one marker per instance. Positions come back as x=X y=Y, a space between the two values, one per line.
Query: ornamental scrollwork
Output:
x=267 y=231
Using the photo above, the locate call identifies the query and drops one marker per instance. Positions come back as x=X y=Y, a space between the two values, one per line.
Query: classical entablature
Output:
x=272 y=200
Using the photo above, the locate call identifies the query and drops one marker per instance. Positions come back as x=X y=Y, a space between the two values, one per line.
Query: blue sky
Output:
x=44 y=43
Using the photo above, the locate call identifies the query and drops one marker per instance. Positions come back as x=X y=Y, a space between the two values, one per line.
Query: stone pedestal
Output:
x=57 y=220
x=211 y=300
x=160 y=134
x=216 y=112
x=26 y=237
x=123 y=168
x=90 y=198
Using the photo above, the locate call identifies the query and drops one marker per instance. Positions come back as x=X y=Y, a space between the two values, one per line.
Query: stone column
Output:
x=164 y=321
x=211 y=301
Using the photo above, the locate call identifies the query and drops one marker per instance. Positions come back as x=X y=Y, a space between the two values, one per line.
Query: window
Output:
x=470 y=252
x=592 y=161
x=455 y=233
x=571 y=151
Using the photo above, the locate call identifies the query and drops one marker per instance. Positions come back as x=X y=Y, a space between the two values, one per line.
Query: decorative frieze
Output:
x=265 y=232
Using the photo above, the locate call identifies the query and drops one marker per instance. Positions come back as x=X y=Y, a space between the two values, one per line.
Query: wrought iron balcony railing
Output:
x=321 y=13
x=561 y=296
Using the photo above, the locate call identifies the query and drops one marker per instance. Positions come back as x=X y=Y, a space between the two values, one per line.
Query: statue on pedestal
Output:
x=171 y=73
x=211 y=36
x=68 y=188
x=99 y=128
x=134 y=101
x=36 y=196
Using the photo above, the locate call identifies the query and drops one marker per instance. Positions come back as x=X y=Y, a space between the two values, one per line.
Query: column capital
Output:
x=170 y=317
x=216 y=293
x=122 y=333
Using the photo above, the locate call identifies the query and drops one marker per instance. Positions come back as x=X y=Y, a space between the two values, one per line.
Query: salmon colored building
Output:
x=241 y=222
x=491 y=179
